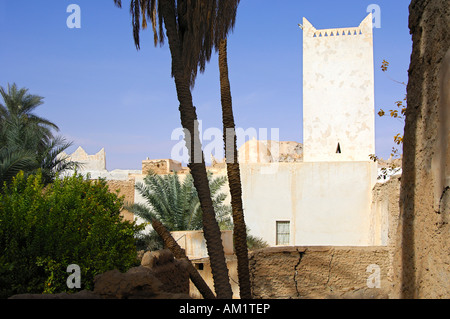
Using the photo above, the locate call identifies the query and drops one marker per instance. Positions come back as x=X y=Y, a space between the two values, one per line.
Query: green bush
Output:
x=45 y=229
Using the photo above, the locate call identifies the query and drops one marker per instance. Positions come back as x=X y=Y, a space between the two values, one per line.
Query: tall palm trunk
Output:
x=179 y=253
x=197 y=166
x=234 y=178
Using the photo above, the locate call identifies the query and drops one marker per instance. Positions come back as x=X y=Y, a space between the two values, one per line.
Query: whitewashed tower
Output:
x=338 y=93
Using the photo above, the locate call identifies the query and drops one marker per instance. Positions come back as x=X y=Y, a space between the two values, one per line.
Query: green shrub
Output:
x=45 y=229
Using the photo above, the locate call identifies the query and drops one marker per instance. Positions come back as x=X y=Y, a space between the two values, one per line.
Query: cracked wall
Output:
x=319 y=272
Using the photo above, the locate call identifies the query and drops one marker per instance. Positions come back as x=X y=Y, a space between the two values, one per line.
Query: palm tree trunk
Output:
x=197 y=165
x=179 y=253
x=234 y=178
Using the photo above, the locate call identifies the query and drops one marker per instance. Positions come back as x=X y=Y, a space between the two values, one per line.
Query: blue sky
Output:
x=102 y=92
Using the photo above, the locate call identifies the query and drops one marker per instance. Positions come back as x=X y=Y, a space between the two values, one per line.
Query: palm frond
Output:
x=12 y=161
x=143 y=211
x=201 y=25
x=51 y=162
x=176 y=204
x=29 y=135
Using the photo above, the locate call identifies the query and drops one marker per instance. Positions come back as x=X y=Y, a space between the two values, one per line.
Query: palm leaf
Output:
x=30 y=136
x=13 y=161
x=176 y=204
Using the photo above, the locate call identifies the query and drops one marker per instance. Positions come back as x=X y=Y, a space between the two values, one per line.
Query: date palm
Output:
x=13 y=161
x=190 y=28
x=225 y=18
x=19 y=105
x=175 y=202
x=174 y=205
x=234 y=178
x=27 y=142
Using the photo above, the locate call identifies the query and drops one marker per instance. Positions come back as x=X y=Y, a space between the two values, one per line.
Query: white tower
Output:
x=338 y=93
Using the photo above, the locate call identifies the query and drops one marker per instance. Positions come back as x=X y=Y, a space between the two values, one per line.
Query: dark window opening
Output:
x=199 y=266
x=338 y=149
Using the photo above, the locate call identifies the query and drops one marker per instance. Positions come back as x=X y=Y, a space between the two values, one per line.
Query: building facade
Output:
x=318 y=193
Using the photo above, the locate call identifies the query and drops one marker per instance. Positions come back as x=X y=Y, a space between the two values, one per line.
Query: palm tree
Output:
x=19 y=105
x=15 y=158
x=51 y=163
x=176 y=204
x=27 y=142
x=190 y=28
x=224 y=22
x=173 y=205
x=229 y=137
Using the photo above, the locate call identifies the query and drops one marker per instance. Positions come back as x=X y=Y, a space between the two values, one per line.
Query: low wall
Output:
x=321 y=272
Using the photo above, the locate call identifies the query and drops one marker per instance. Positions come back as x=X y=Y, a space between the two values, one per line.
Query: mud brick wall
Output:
x=125 y=188
x=422 y=261
x=320 y=272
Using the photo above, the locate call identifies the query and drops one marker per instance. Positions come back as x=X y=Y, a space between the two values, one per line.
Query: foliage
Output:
x=43 y=229
x=175 y=203
x=254 y=243
x=202 y=24
x=177 y=206
x=396 y=113
x=150 y=241
x=20 y=105
x=27 y=142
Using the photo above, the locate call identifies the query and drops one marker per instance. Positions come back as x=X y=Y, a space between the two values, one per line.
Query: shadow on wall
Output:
x=422 y=251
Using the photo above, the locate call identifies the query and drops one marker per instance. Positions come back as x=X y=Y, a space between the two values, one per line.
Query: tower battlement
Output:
x=365 y=28
x=337 y=32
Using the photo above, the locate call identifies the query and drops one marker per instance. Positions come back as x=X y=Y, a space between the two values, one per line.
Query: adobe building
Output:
x=323 y=192
x=318 y=193
x=325 y=198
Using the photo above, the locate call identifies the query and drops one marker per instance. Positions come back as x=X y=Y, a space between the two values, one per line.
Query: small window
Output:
x=199 y=266
x=338 y=149
x=283 y=233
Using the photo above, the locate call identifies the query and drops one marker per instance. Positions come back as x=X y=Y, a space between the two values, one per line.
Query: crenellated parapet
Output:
x=365 y=28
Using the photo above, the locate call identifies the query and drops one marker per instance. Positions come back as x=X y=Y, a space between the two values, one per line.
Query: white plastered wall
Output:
x=326 y=203
x=338 y=93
